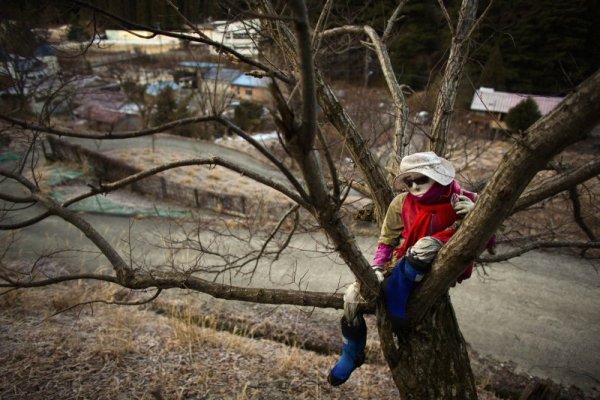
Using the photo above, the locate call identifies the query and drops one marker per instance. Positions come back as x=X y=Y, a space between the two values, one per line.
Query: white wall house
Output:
x=242 y=36
x=132 y=41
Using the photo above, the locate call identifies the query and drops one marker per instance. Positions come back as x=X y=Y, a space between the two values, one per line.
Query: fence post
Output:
x=163 y=184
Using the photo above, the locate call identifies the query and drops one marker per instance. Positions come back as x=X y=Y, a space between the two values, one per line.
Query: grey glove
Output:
x=463 y=205
x=425 y=249
x=351 y=299
x=379 y=273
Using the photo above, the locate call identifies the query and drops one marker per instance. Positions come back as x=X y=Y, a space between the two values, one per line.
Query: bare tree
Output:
x=430 y=360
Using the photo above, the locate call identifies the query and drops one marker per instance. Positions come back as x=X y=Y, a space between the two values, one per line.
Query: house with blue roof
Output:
x=215 y=84
x=34 y=75
x=220 y=74
x=155 y=88
x=251 y=88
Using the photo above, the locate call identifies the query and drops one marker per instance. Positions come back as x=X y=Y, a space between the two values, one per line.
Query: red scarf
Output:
x=427 y=216
x=431 y=219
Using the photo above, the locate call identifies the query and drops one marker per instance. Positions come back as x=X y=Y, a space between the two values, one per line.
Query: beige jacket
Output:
x=392 y=226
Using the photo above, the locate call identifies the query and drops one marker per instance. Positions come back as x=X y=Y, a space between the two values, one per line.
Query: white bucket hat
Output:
x=429 y=164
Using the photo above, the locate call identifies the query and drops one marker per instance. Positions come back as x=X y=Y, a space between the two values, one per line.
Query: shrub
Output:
x=523 y=115
x=248 y=115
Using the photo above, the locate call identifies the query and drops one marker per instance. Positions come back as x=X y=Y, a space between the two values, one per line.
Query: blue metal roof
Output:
x=222 y=74
x=198 y=64
x=155 y=88
x=251 y=81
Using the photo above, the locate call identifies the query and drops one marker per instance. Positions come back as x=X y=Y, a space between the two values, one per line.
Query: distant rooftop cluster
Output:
x=241 y=36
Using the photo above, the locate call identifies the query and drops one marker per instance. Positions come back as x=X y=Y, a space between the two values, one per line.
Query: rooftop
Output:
x=489 y=100
x=250 y=81
x=222 y=74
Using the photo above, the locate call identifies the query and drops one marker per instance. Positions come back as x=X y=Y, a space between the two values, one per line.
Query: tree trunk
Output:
x=459 y=52
x=429 y=360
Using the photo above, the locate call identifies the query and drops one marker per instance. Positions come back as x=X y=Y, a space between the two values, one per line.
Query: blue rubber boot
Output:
x=354 y=338
x=398 y=287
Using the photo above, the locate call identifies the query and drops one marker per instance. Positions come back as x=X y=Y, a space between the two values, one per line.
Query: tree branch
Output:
x=122 y=269
x=53 y=281
x=168 y=280
x=363 y=158
x=400 y=106
x=110 y=135
x=109 y=187
x=15 y=199
x=337 y=116
x=459 y=52
x=325 y=209
x=392 y=20
x=26 y=223
x=568 y=123
x=574 y=196
x=201 y=39
x=447 y=16
x=288 y=174
x=537 y=245
x=321 y=22
x=557 y=184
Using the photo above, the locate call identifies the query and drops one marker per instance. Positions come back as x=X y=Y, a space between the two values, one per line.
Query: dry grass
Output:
x=109 y=352
x=116 y=352
x=217 y=179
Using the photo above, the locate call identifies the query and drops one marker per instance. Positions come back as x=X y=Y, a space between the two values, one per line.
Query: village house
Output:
x=136 y=41
x=242 y=36
x=215 y=83
x=105 y=110
x=34 y=77
x=491 y=106
x=247 y=87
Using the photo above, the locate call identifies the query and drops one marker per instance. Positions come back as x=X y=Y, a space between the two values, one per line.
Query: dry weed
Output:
x=110 y=352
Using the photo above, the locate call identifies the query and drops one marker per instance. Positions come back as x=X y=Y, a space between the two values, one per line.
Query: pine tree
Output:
x=165 y=107
x=492 y=74
x=523 y=115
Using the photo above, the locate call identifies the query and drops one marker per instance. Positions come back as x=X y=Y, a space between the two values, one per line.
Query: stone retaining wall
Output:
x=111 y=169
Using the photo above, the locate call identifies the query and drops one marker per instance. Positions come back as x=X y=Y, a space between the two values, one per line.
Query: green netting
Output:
x=61 y=174
x=9 y=156
x=102 y=204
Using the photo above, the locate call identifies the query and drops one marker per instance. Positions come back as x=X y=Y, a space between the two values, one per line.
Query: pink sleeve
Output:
x=382 y=255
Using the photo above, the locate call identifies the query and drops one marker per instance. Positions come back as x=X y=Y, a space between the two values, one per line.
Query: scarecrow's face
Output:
x=418 y=184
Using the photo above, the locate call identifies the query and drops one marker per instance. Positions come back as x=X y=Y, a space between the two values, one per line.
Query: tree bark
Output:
x=430 y=360
x=459 y=52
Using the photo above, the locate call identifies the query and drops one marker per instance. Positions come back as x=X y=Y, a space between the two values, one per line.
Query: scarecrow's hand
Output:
x=424 y=251
x=378 y=273
x=463 y=205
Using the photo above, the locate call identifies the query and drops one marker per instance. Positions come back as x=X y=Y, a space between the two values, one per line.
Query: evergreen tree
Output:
x=248 y=115
x=422 y=39
x=523 y=115
x=492 y=74
x=75 y=32
x=165 y=107
x=546 y=47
